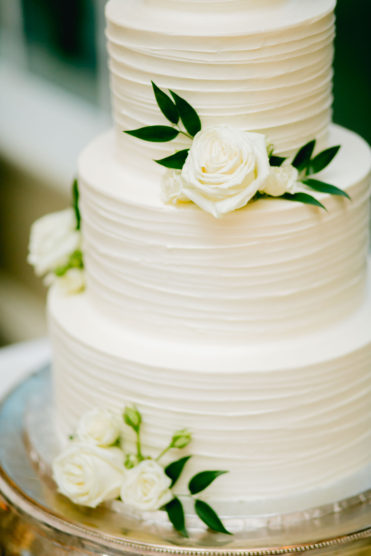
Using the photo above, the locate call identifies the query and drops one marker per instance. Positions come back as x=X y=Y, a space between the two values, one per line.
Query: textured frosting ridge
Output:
x=257 y=273
x=276 y=80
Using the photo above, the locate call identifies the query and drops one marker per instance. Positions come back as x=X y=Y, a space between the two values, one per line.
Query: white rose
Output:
x=281 y=180
x=73 y=281
x=146 y=486
x=225 y=168
x=100 y=427
x=53 y=239
x=172 y=186
x=89 y=475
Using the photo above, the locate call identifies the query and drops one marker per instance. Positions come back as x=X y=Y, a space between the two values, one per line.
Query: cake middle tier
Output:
x=273 y=269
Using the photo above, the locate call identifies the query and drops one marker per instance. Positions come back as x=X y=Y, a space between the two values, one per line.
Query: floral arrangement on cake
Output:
x=96 y=467
x=225 y=168
x=55 y=248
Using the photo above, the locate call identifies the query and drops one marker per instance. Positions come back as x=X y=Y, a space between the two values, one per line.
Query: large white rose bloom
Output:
x=281 y=180
x=53 y=239
x=225 y=168
x=100 y=427
x=89 y=475
x=146 y=486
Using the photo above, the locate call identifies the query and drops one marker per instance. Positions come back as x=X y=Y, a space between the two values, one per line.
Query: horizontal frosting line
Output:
x=145 y=59
x=240 y=72
x=213 y=88
x=208 y=55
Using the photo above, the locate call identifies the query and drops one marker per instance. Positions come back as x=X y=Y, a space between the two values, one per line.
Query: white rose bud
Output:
x=172 y=187
x=146 y=487
x=281 y=180
x=89 y=475
x=225 y=168
x=73 y=281
x=53 y=239
x=181 y=439
x=100 y=427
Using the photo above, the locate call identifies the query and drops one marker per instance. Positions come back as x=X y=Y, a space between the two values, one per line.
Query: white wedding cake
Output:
x=251 y=328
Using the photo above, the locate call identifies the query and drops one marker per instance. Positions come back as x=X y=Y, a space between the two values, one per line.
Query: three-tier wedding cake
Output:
x=214 y=302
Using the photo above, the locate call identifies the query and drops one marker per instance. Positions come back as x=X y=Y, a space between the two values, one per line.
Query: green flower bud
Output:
x=132 y=417
x=181 y=439
x=130 y=461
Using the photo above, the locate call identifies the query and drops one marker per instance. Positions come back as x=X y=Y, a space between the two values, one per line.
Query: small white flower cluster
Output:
x=92 y=469
x=225 y=168
x=55 y=250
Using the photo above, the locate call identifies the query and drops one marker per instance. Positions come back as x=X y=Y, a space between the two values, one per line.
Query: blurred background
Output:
x=54 y=98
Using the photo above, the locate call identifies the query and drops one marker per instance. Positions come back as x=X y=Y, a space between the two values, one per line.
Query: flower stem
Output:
x=185 y=134
x=139 y=448
x=165 y=451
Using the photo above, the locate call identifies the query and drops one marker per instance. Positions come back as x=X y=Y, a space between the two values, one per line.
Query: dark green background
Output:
x=352 y=84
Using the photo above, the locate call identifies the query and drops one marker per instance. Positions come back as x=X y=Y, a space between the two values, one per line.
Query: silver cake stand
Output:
x=36 y=521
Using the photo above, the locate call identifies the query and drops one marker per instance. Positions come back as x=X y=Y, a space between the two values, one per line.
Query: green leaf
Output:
x=166 y=105
x=174 y=469
x=75 y=203
x=188 y=115
x=210 y=517
x=176 y=516
x=322 y=160
x=276 y=160
x=303 y=198
x=325 y=188
x=303 y=156
x=175 y=161
x=155 y=133
x=202 y=480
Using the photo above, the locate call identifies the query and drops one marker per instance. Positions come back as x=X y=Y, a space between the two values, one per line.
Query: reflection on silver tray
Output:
x=35 y=520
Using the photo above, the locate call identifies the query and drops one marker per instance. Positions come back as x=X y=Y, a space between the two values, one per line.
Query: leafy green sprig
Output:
x=199 y=482
x=308 y=166
x=184 y=119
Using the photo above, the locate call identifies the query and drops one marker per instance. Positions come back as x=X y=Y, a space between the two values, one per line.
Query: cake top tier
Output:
x=263 y=66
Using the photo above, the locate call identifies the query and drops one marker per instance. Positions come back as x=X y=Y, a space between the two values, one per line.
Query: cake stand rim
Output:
x=13 y=494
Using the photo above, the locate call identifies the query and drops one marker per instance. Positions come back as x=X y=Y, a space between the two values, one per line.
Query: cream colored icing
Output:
x=262 y=66
x=289 y=420
x=274 y=269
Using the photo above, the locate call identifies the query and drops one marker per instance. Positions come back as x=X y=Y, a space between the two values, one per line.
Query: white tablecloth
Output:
x=19 y=360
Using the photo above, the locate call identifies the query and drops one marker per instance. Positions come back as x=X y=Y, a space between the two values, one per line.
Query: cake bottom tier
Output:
x=289 y=421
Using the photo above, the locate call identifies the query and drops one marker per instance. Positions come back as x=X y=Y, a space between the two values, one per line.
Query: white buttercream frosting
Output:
x=255 y=274
x=261 y=66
